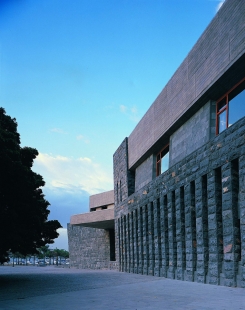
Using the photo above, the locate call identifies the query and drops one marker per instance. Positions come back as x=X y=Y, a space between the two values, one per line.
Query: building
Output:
x=179 y=189
x=91 y=235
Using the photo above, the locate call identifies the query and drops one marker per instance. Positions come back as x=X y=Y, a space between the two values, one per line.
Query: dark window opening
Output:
x=205 y=220
x=193 y=222
x=235 y=204
x=182 y=216
x=120 y=188
x=218 y=203
x=151 y=235
x=162 y=160
x=159 y=233
x=173 y=215
x=112 y=245
x=231 y=107
x=166 y=244
x=119 y=240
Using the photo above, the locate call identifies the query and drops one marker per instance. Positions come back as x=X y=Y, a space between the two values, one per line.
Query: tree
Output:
x=24 y=224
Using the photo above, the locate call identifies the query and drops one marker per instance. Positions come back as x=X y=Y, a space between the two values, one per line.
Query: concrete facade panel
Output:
x=103 y=216
x=102 y=199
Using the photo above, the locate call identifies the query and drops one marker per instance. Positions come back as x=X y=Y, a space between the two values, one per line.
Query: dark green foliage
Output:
x=23 y=209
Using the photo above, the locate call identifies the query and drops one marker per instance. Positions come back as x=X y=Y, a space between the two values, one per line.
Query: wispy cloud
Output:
x=123 y=108
x=72 y=174
x=130 y=112
x=82 y=138
x=59 y=130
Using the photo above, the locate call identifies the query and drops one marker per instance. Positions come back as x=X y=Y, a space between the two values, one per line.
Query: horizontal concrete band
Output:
x=102 y=199
x=103 y=219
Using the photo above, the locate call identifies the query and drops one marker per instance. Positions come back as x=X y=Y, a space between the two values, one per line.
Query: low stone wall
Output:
x=189 y=223
x=89 y=248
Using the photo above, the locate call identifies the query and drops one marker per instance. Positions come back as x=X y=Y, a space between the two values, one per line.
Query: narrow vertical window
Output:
x=174 y=228
x=151 y=236
x=120 y=186
x=112 y=244
x=165 y=207
x=182 y=215
x=141 y=239
x=119 y=241
x=131 y=215
x=146 y=238
x=125 y=242
x=193 y=222
x=205 y=220
x=235 y=205
x=218 y=202
x=136 y=239
x=159 y=233
x=128 y=240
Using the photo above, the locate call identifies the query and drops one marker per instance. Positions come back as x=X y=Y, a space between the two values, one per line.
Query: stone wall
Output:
x=89 y=248
x=124 y=180
x=189 y=223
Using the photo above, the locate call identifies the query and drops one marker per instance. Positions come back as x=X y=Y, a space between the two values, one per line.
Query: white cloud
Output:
x=82 y=138
x=130 y=112
x=62 y=241
x=59 y=130
x=72 y=174
x=123 y=108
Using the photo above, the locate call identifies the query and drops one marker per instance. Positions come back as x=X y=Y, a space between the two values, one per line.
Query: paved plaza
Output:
x=44 y=288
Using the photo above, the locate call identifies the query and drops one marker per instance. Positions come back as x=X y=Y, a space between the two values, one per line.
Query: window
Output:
x=163 y=160
x=231 y=107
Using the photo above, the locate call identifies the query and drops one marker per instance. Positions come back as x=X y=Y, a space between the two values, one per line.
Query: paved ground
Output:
x=44 y=288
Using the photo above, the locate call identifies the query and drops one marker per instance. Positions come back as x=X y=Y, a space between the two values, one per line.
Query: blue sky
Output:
x=78 y=75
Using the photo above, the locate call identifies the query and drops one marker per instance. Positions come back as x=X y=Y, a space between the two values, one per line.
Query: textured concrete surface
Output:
x=26 y=288
x=98 y=219
x=101 y=199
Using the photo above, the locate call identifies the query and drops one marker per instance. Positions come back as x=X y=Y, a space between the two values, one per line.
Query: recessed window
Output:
x=163 y=160
x=231 y=107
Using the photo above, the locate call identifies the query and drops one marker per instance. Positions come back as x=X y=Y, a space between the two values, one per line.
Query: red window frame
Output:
x=225 y=97
x=160 y=155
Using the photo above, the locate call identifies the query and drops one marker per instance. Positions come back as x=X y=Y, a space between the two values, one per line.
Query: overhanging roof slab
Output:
x=103 y=219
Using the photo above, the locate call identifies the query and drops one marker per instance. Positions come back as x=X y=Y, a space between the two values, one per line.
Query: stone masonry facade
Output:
x=189 y=223
x=89 y=248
